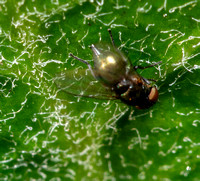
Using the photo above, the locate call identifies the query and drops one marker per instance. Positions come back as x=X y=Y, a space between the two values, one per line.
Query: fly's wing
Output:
x=80 y=82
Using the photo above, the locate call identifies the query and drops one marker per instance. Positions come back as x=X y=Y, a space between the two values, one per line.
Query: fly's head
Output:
x=136 y=92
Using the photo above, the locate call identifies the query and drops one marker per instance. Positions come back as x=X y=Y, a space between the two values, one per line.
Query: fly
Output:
x=117 y=75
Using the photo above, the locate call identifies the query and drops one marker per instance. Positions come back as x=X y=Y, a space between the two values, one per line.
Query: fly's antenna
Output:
x=111 y=37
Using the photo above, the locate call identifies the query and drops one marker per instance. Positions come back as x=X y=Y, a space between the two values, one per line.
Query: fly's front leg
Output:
x=148 y=81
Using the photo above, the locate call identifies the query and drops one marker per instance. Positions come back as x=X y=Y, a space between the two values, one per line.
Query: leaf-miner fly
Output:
x=118 y=76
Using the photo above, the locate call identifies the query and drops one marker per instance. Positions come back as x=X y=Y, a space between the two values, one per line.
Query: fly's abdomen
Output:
x=109 y=67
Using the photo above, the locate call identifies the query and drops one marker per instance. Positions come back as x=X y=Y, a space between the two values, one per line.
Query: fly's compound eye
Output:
x=153 y=96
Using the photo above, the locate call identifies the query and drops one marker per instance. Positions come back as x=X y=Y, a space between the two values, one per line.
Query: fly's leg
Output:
x=79 y=59
x=148 y=81
x=111 y=37
x=152 y=80
x=83 y=61
x=140 y=67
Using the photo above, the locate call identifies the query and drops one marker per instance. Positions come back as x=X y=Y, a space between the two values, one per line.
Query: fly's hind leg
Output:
x=111 y=37
x=79 y=59
x=83 y=61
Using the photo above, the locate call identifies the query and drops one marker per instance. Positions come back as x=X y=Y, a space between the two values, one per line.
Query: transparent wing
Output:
x=80 y=82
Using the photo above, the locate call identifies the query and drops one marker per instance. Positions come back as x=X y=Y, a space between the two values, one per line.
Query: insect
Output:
x=118 y=78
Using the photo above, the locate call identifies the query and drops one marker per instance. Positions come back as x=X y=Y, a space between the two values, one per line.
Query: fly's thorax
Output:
x=136 y=91
x=109 y=65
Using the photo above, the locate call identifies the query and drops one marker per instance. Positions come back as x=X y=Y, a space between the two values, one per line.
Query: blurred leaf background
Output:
x=46 y=134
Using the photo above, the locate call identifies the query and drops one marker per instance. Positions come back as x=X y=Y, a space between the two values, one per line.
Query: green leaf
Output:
x=47 y=134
